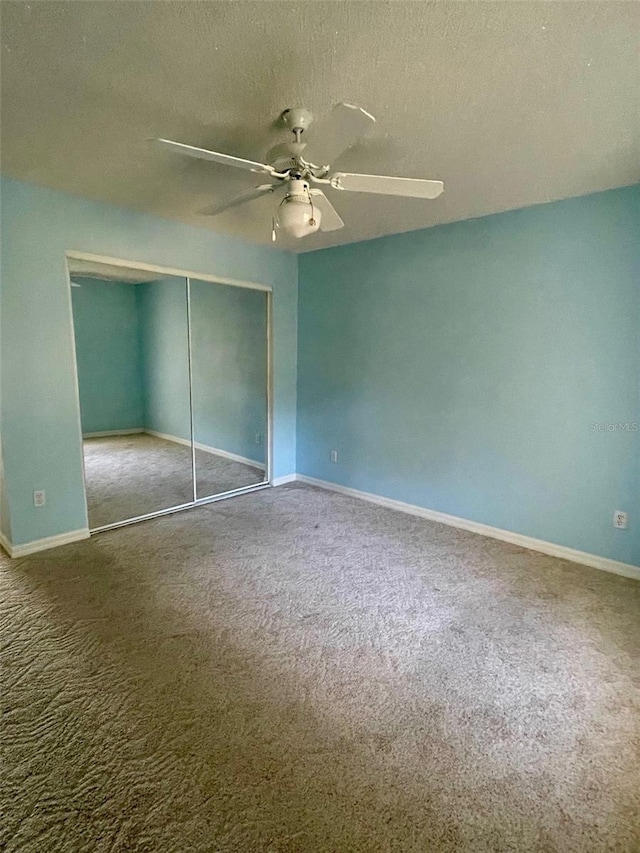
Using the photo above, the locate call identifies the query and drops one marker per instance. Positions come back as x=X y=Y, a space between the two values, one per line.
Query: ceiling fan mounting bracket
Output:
x=297 y=118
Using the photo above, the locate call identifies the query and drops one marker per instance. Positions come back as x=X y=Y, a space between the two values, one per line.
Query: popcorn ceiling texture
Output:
x=511 y=104
x=300 y=672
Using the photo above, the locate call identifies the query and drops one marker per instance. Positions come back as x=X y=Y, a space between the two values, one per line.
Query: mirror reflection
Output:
x=132 y=356
x=229 y=386
x=173 y=389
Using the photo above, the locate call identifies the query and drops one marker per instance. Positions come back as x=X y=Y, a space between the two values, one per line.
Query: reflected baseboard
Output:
x=215 y=451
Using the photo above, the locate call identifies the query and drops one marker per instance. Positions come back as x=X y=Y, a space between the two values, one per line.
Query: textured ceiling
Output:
x=510 y=103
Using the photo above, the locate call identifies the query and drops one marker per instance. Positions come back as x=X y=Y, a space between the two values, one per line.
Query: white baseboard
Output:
x=43 y=544
x=288 y=478
x=176 y=439
x=215 y=451
x=582 y=557
x=109 y=432
x=550 y=548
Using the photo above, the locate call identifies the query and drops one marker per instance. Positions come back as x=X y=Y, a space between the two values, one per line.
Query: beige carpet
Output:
x=294 y=670
x=132 y=475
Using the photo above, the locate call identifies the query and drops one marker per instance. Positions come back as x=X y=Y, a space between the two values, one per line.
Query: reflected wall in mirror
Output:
x=229 y=386
x=132 y=356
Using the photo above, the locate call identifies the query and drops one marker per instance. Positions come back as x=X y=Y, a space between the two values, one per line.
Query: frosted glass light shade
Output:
x=295 y=217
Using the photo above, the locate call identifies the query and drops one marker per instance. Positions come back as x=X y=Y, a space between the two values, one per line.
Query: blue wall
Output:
x=229 y=381
x=164 y=347
x=105 y=321
x=133 y=365
x=461 y=369
x=41 y=438
x=229 y=348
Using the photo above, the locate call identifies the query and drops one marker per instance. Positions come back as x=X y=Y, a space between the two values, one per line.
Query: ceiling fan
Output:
x=299 y=169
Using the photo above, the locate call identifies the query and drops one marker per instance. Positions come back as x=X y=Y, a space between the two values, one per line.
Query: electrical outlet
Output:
x=620 y=519
x=39 y=498
x=334 y=456
x=258 y=438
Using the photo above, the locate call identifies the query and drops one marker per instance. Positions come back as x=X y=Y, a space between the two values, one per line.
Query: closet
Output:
x=173 y=387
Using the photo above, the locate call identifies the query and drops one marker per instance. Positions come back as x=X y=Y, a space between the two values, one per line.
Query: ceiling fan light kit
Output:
x=296 y=214
x=293 y=166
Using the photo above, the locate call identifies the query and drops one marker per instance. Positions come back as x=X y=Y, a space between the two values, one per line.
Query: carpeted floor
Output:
x=294 y=670
x=132 y=475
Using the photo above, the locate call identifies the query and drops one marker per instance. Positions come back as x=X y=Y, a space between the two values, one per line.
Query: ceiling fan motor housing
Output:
x=285 y=155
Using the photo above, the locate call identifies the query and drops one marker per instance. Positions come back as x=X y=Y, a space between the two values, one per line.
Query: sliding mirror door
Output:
x=229 y=385
x=132 y=352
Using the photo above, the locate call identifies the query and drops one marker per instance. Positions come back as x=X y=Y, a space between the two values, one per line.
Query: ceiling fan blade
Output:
x=330 y=220
x=344 y=124
x=248 y=195
x=216 y=156
x=385 y=185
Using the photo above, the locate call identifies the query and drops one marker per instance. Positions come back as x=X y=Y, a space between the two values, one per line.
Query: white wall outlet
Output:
x=39 y=498
x=258 y=438
x=334 y=456
x=620 y=519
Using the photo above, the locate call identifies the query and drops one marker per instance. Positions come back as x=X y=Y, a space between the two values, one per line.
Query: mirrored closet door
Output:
x=229 y=386
x=173 y=389
x=132 y=355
